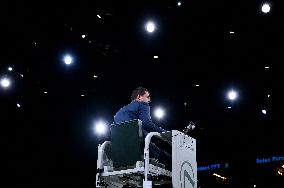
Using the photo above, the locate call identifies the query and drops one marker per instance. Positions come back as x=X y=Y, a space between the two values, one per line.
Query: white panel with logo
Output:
x=184 y=165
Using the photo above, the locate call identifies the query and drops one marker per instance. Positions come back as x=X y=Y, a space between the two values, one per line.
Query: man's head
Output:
x=140 y=94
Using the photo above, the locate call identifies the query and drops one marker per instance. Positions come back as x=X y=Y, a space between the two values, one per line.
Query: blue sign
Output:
x=269 y=159
x=226 y=165
x=209 y=167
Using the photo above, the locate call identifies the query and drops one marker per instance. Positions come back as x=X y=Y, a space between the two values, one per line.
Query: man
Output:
x=139 y=108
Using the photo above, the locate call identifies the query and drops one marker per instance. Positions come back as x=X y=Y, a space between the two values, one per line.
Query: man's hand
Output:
x=191 y=126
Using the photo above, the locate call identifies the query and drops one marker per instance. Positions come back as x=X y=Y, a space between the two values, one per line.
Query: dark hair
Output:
x=138 y=91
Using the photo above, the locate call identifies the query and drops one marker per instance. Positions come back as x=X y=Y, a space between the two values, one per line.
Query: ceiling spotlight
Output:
x=263 y=111
x=179 y=3
x=68 y=59
x=150 y=27
x=10 y=68
x=100 y=127
x=232 y=95
x=265 y=8
x=159 y=113
x=5 y=82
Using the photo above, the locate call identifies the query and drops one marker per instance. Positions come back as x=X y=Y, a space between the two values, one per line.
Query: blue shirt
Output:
x=138 y=110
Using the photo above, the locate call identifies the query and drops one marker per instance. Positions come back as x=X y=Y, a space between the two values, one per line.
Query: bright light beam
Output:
x=100 y=127
x=150 y=27
x=159 y=113
x=68 y=59
x=265 y=8
x=232 y=95
x=5 y=82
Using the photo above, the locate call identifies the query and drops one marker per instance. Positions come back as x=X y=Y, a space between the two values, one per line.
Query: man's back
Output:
x=127 y=113
x=137 y=110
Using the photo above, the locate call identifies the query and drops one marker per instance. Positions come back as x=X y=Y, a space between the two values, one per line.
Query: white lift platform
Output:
x=138 y=170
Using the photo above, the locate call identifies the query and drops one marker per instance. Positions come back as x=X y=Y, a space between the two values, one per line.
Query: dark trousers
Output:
x=160 y=154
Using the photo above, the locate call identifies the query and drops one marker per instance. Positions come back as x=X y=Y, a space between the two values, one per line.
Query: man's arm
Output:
x=144 y=116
